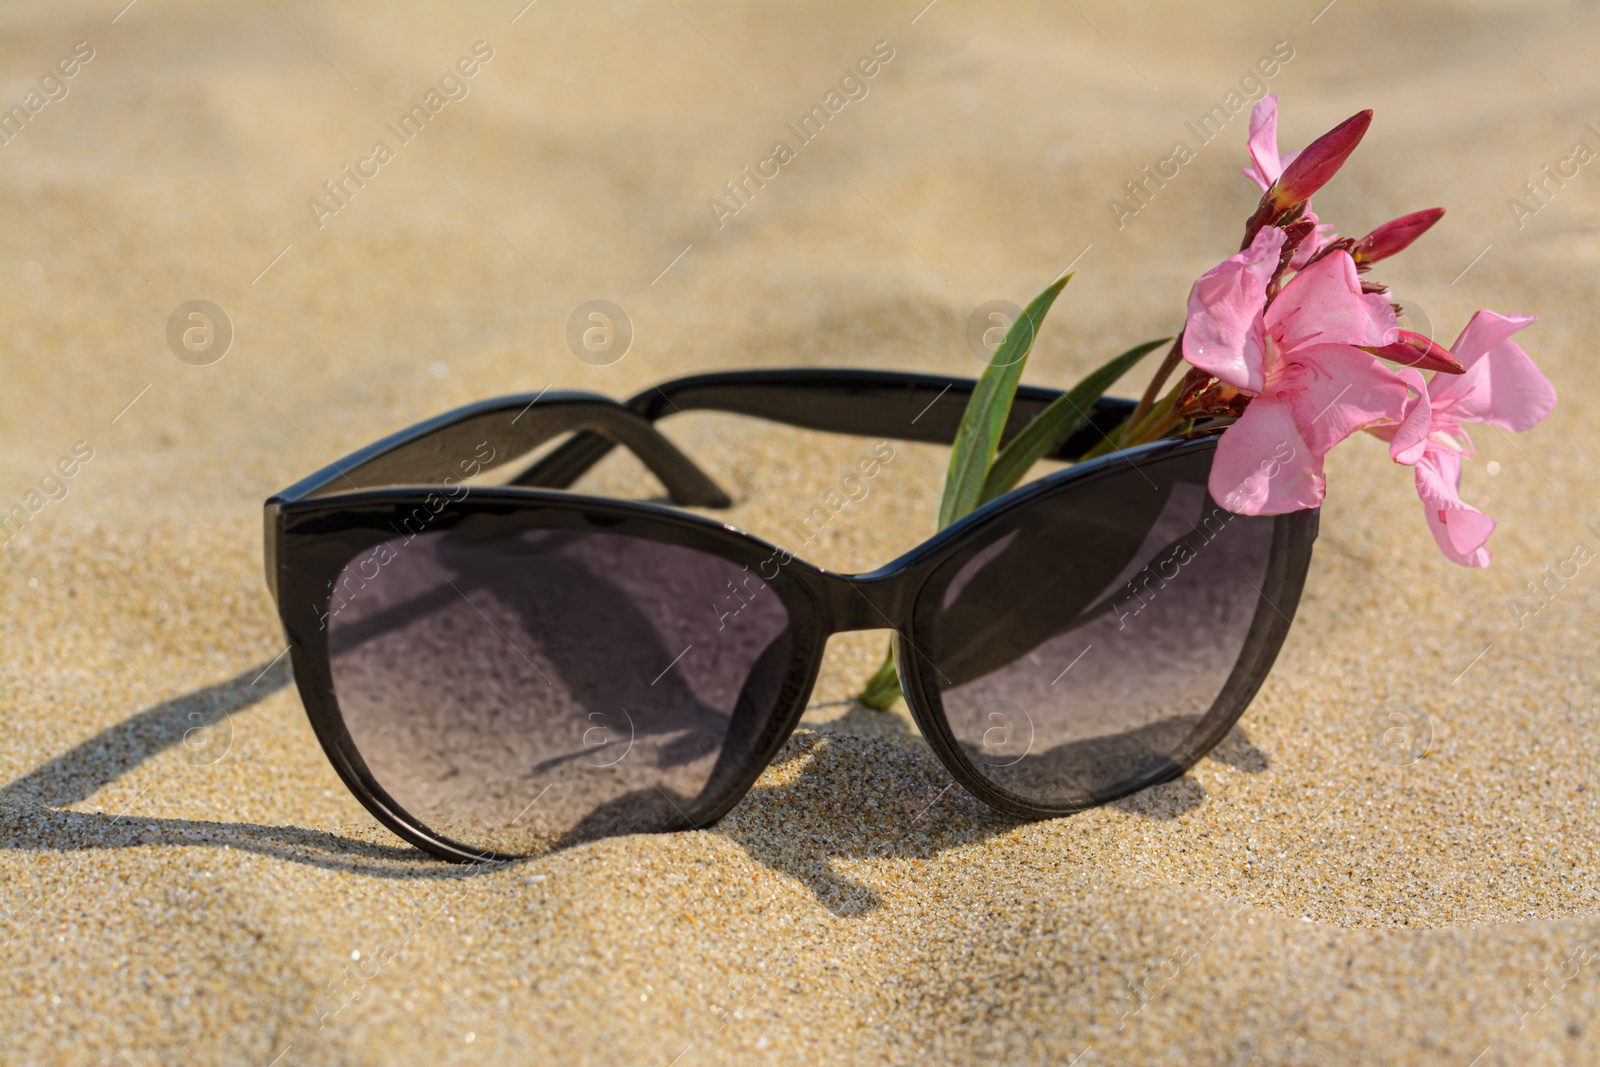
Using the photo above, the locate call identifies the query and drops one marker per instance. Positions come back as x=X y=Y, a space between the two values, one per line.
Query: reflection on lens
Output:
x=1079 y=650
x=518 y=689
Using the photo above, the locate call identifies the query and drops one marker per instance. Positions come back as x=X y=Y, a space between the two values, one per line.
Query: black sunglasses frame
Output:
x=316 y=527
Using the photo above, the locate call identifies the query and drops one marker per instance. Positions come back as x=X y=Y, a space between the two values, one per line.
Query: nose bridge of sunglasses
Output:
x=876 y=601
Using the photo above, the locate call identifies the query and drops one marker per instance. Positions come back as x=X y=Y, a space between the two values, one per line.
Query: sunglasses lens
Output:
x=516 y=689
x=1086 y=646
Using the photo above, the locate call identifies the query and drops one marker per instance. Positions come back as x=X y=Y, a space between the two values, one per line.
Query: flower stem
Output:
x=883 y=688
x=1151 y=391
x=1162 y=426
x=1157 y=421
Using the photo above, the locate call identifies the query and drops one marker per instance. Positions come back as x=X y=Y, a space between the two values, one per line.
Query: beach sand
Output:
x=1298 y=898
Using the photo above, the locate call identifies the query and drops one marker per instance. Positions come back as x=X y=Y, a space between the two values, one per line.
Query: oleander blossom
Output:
x=1289 y=341
x=1500 y=387
x=1296 y=357
x=1291 y=348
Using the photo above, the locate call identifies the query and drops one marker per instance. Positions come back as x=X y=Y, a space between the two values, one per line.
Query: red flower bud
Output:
x=1394 y=236
x=1321 y=159
x=1423 y=353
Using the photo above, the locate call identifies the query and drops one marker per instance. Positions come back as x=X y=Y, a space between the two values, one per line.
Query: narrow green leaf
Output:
x=989 y=408
x=1056 y=421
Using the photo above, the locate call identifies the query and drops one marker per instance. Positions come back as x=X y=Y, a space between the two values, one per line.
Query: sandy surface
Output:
x=1296 y=899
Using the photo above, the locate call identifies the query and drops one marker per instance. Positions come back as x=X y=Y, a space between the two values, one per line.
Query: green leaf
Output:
x=1055 y=421
x=989 y=408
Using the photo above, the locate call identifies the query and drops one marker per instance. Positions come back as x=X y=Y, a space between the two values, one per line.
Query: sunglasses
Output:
x=501 y=670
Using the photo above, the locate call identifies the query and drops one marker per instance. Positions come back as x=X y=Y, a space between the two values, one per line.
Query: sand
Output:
x=184 y=878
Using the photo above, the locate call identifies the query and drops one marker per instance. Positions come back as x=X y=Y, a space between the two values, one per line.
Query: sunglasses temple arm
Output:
x=685 y=483
x=900 y=406
x=462 y=444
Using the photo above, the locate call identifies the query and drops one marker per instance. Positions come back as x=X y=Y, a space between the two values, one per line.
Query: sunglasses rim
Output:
x=310 y=561
x=884 y=598
x=1288 y=560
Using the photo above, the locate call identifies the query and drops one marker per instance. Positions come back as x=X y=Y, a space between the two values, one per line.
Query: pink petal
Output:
x=1335 y=391
x=1222 y=334
x=1462 y=531
x=1501 y=386
x=1324 y=304
x=1410 y=437
x=1484 y=331
x=1263 y=466
x=1265 y=166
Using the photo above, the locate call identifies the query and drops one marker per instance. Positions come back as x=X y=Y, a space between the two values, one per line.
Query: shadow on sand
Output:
x=32 y=819
x=869 y=789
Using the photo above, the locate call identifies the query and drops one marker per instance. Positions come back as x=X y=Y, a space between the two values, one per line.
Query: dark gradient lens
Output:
x=1079 y=648
x=518 y=689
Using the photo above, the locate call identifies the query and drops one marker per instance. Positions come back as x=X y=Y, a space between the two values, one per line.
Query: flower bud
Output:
x=1395 y=236
x=1414 y=350
x=1321 y=159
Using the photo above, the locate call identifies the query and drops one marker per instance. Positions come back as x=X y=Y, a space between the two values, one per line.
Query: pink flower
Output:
x=1500 y=387
x=1296 y=357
